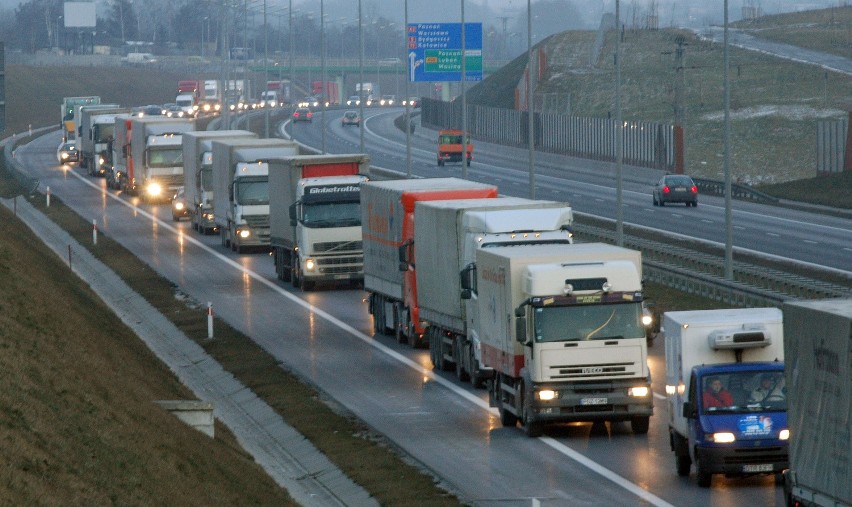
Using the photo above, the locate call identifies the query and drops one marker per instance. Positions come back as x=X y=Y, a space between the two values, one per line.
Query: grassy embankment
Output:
x=775 y=103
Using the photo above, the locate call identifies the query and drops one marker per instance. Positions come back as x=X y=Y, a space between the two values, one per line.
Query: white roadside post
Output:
x=94 y=231
x=209 y=320
x=48 y=197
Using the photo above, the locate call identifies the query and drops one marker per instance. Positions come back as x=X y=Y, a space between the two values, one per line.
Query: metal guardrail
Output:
x=698 y=271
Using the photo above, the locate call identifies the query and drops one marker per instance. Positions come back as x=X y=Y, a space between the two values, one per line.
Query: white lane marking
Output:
x=557 y=446
x=773 y=234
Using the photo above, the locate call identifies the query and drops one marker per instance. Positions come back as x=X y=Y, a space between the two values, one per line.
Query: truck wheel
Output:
x=640 y=424
x=477 y=380
x=533 y=429
x=684 y=463
x=284 y=269
x=378 y=316
x=704 y=477
x=399 y=323
x=440 y=163
x=461 y=374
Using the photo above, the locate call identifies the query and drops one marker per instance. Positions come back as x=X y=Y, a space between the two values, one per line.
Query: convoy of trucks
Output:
x=241 y=189
x=95 y=136
x=387 y=209
x=818 y=349
x=315 y=218
x=725 y=391
x=69 y=109
x=156 y=156
x=447 y=235
x=198 y=174
x=277 y=93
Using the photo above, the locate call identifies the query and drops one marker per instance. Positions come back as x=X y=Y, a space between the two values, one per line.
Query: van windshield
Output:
x=747 y=391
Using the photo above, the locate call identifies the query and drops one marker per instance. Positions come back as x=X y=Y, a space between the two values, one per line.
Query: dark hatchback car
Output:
x=303 y=114
x=351 y=118
x=675 y=188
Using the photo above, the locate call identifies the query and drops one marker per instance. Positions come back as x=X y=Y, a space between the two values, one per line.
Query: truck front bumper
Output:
x=592 y=402
x=333 y=269
x=746 y=458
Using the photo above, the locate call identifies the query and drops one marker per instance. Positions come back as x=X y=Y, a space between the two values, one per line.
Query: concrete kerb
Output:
x=287 y=456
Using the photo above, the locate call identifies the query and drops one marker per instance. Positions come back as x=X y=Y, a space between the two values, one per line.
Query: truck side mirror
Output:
x=404 y=255
x=467 y=280
x=689 y=410
x=231 y=192
x=294 y=214
x=521 y=330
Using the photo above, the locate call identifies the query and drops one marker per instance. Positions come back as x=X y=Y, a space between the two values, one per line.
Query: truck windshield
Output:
x=331 y=214
x=588 y=322
x=743 y=391
x=251 y=191
x=169 y=157
x=103 y=133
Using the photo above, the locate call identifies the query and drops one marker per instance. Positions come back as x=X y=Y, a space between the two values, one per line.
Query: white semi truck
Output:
x=819 y=396
x=562 y=328
x=241 y=189
x=447 y=235
x=198 y=173
x=97 y=132
x=155 y=168
x=315 y=218
x=725 y=390
x=387 y=209
x=80 y=135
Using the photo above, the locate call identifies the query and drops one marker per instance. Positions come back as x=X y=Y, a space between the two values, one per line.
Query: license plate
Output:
x=680 y=189
x=593 y=401
x=341 y=277
x=757 y=468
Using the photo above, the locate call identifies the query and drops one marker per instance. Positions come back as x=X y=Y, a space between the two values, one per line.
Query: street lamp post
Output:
x=57 y=31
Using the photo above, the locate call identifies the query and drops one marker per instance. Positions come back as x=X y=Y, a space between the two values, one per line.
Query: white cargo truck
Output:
x=80 y=135
x=447 y=235
x=561 y=325
x=97 y=132
x=156 y=152
x=241 y=189
x=725 y=390
x=198 y=174
x=117 y=177
x=819 y=389
x=387 y=209
x=315 y=218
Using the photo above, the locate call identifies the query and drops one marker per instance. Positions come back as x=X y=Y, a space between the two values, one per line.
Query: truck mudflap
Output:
x=756 y=457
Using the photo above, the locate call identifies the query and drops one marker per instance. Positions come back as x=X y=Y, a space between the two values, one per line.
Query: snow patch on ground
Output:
x=788 y=112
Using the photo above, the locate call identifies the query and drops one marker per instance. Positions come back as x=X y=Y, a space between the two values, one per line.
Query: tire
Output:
x=640 y=424
x=704 y=479
x=476 y=378
x=440 y=163
x=695 y=204
x=654 y=200
x=507 y=419
x=532 y=429
x=378 y=318
x=461 y=373
x=662 y=203
x=683 y=464
x=399 y=333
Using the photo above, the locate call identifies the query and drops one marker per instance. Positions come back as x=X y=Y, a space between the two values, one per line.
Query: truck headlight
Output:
x=647 y=320
x=784 y=435
x=154 y=189
x=546 y=394
x=101 y=161
x=722 y=438
x=639 y=392
x=178 y=205
x=310 y=265
x=244 y=233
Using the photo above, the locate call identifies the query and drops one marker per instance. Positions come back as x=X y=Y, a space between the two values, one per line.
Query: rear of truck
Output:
x=451 y=145
x=387 y=209
x=315 y=218
x=562 y=328
x=819 y=387
x=716 y=361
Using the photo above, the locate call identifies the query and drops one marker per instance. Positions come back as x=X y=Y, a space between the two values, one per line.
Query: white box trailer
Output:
x=315 y=218
x=387 y=209
x=198 y=173
x=447 y=235
x=96 y=129
x=241 y=188
x=715 y=362
x=819 y=387
x=561 y=325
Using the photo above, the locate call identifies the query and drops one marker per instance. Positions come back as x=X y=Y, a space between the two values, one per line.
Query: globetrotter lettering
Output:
x=491 y=275
x=334 y=189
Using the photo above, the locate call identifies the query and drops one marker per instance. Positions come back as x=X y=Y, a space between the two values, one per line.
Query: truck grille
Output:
x=756 y=455
x=590 y=371
x=170 y=181
x=257 y=221
x=338 y=247
x=340 y=265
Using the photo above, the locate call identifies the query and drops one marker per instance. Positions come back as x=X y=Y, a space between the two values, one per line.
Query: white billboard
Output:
x=79 y=15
